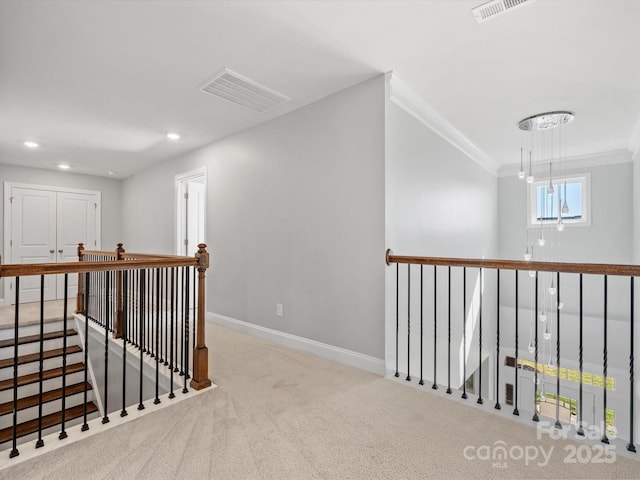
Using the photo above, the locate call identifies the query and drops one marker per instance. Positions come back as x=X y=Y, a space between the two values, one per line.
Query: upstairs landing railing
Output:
x=153 y=303
x=433 y=298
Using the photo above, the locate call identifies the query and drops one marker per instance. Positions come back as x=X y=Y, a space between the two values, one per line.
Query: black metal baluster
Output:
x=536 y=418
x=157 y=399
x=408 y=379
x=182 y=354
x=166 y=317
x=631 y=446
x=464 y=332
x=107 y=311
x=143 y=296
x=186 y=335
x=125 y=338
x=558 y=424
x=449 y=331
x=171 y=343
x=421 y=382
x=397 y=374
x=435 y=325
x=87 y=289
x=63 y=433
x=149 y=326
x=497 y=405
x=40 y=442
x=14 y=447
x=515 y=390
x=604 y=438
x=135 y=292
x=480 y=400
x=580 y=431
x=176 y=289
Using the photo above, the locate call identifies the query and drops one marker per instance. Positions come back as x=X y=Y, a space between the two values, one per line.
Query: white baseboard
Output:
x=323 y=350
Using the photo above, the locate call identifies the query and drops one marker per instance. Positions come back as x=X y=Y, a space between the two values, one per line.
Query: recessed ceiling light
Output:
x=173 y=136
x=112 y=173
x=64 y=166
x=30 y=144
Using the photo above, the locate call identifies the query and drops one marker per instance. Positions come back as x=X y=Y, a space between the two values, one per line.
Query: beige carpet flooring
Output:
x=280 y=414
x=29 y=313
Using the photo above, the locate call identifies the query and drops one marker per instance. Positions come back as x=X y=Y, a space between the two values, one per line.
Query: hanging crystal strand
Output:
x=521 y=173
x=531 y=347
x=547 y=332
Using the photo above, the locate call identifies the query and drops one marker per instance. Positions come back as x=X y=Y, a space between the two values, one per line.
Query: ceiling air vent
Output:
x=235 y=88
x=493 y=8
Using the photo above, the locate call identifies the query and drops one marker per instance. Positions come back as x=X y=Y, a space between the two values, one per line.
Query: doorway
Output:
x=44 y=224
x=191 y=191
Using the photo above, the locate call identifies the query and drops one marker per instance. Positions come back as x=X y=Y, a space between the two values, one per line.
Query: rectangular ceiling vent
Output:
x=493 y=8
x=235 y=88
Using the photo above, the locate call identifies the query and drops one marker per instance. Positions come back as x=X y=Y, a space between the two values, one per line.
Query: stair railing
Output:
x=570 y=352
x=154 y=304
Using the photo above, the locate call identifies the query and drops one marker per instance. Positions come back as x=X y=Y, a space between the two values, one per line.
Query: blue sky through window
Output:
x=547 y=205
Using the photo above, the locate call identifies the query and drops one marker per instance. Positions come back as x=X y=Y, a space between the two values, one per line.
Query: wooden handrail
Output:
x=119 y=261
x=562 y=267
x=28 y=269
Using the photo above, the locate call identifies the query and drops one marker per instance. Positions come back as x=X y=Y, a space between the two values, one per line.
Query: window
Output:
x=570 y=199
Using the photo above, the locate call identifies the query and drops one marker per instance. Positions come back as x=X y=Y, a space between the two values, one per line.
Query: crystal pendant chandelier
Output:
x=543 y=140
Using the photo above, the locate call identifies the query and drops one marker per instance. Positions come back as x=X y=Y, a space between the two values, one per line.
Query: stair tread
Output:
x=51 y=420
x=51 y=395
x=36 y=338
x=34 y=357
x=46 y=375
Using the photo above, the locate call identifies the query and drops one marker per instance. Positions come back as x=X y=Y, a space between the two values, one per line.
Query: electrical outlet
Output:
x=279 y=309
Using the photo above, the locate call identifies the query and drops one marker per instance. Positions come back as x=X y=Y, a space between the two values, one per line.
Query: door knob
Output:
x=52 y=251
x=60 y=251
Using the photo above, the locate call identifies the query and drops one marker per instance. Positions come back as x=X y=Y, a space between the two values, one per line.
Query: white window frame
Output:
x=532 y=201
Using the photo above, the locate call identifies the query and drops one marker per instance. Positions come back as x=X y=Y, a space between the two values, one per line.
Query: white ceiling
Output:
x=99 y=84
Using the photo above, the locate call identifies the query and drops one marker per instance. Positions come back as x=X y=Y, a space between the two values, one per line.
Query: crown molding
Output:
x=414 y=105
x=577 y=162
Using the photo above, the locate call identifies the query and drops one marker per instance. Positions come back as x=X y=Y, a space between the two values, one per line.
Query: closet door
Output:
x=33 y=239
x=76 y=223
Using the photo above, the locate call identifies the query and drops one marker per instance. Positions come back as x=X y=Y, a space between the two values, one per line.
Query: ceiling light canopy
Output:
x=545 y=121
x=31 y=144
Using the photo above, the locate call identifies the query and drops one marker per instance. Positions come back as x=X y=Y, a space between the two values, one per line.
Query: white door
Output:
x=33 y=239
x=46 y=226
x=76 y=223
x=190 y=208
x=194 y=216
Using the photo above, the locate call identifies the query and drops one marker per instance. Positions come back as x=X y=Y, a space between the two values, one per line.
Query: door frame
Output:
x=178 y=217
x=8 y=186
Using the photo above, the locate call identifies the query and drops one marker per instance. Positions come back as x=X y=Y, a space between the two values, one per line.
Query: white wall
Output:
x=438 y=203
x=295 y=215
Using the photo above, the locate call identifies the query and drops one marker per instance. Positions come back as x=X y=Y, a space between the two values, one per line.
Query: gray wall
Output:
x=438 y=203
x=609 y=239
x=295 y=215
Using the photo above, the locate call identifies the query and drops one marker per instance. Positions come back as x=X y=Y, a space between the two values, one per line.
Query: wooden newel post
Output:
x=117 y=331
x=80 y=295
x=200 y=378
